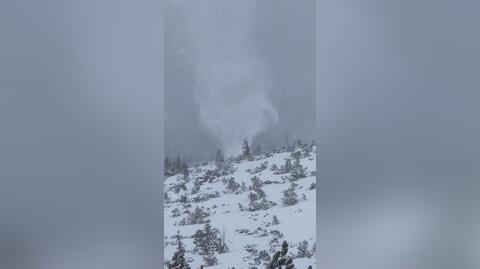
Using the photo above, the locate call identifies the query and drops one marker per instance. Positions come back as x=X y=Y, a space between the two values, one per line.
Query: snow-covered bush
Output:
x=207 y=242
x=197 y=216
x=303 y=251
x=196 y=187
x=202 y=197
x=284 y=168
x=178 y=260
x=232 y=185
x=275 y=220
x=290 y=197
x=258 y=168
x=225 y=167
x=281 y=260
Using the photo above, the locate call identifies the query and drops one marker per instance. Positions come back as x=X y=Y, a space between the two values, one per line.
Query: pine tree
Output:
x=210 y=259
x=257 y=185
x=198 y=216
x=290 y=196
x=196 y=187
x=167 y=167
x=208 y=240
x=302 y=250
x=219 y=156
x=275 y=220
x=297 y=171
x=232 y=186
x=246 y=149
x=178 y=260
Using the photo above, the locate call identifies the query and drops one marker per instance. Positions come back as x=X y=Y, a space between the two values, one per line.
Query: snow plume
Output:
x=232 y=81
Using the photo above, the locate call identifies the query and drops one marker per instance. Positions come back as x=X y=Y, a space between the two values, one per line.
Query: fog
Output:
x=235 y=70
x=398 y=147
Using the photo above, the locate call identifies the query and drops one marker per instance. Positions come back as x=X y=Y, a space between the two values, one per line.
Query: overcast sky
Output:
x=237 y=69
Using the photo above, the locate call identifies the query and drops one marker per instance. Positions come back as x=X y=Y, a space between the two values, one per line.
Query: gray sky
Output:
x=236 y=69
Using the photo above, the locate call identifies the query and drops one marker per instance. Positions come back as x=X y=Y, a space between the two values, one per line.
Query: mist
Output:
x=231 y=81
x=238 y=70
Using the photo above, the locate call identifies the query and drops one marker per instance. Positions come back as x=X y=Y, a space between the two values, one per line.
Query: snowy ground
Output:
x=297 y=222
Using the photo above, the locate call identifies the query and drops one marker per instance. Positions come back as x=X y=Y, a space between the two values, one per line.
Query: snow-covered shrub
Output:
x=257 y=185
x=210 y=259
x=262 y=204
x=232 y=185
x=298 y=171
x=303 y=251
x=256 y=257
x=183 y=199
x=275 y=220
x=202 y=197
x=176 y=213
x=178 y=260
x=259 y=168
x=197 y=216
x=274 y=168
x=225 y=167
x=207 y=242
x=196 y=187
x=284 y=168
x=281 y=260
x=289 y=197
x=243 y=187
x=181 y=185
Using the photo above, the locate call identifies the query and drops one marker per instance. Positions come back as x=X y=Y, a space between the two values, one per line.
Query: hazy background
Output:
x=398 y=134
x=236 y=69
x=81 y=134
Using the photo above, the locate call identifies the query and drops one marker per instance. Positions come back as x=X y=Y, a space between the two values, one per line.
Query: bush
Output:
x=290 y=197
x=198 y=216
x=232 y=186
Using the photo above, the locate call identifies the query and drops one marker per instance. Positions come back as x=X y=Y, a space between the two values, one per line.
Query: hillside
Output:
x=244 y=199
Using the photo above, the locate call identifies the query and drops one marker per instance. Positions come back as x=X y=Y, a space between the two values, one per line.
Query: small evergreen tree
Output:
x=243 y=187
x=210 y=259
x=297 y=171
x=290 y=196
x=275 y=220
x=246 y=154
x=257 y=185
x=208 y=241
x=225 y=167
x=167 y=166
x=302 y=250
x=219 y=156
x=197 y=216
x=178 y=260
x=232 y=186
x=196 y=187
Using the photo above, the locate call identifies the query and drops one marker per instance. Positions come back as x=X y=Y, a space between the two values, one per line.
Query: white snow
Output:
x=297 y=222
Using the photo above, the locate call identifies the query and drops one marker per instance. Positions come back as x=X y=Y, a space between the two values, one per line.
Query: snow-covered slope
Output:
x=246 y=232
